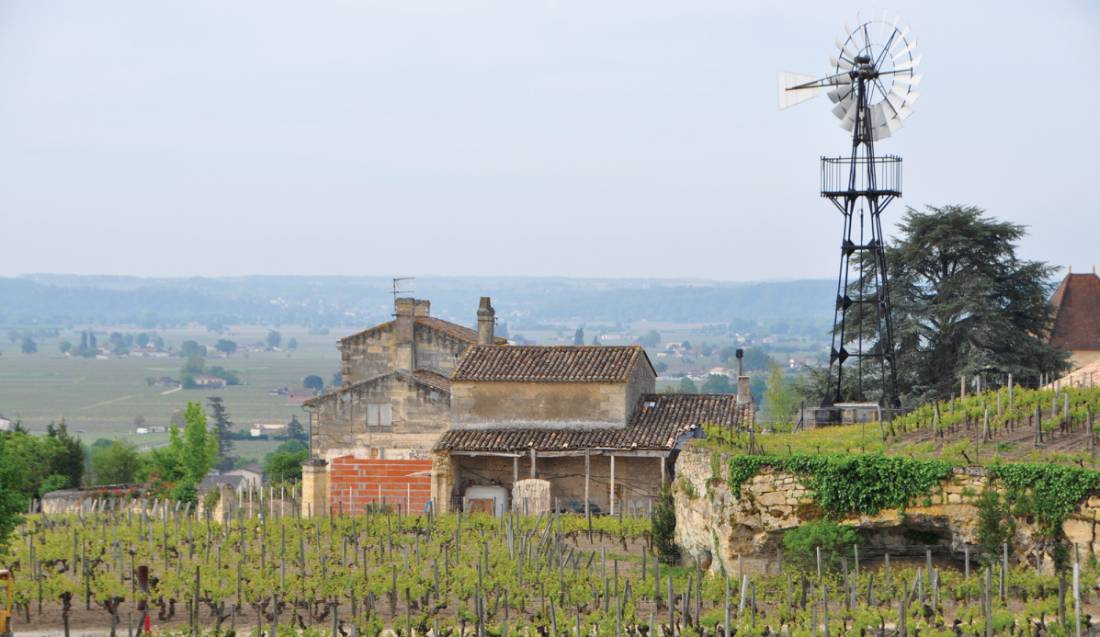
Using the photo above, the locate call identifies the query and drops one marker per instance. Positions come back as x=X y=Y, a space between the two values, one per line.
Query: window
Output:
x=379 y=415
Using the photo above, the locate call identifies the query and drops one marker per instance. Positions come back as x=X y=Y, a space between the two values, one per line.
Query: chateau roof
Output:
x=659 y=423
x=1077 y=313
x=550 y=363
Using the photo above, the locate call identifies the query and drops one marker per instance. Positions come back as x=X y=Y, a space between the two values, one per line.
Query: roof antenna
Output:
x=397 y=281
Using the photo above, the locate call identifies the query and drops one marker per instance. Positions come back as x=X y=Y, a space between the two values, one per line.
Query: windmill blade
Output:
x=850 y=115
x=841 y=108
x=788 y=95
x=904 y=112
x=902 y=53
x=911 y=80
x=911 y=98
x=879 y=115
x=846 y=108
x=840 y=63
x=895 y=102
x=839 y=93
x=880 y=132
x=844 y=50
x=911 y=65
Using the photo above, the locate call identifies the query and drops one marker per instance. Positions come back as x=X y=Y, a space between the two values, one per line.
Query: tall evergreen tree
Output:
x=965 y=303
x=222 y=425
x=67 y=457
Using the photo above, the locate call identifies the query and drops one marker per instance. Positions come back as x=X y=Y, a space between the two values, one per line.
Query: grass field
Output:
x=102 y=398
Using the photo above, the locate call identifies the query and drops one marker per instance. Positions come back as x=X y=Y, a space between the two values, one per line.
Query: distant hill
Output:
x=332 y=301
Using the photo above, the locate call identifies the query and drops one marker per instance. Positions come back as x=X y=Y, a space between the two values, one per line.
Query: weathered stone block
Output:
x=531 y=496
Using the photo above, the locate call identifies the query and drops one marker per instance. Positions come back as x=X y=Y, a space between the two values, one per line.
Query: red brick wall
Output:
x=355 y=483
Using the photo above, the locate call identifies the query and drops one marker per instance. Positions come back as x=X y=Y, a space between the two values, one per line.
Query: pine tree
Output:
x=222 y=425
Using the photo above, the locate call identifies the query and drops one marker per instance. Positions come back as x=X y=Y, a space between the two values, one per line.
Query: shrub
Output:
x=664 y=528
x=801 y=543
x=995 y=524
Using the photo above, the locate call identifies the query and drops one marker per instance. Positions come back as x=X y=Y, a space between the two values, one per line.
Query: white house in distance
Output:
x=6 y=424
x=210 y=381
x=268 y=429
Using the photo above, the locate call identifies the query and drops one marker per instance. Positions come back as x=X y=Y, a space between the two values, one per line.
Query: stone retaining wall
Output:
x=717 y=527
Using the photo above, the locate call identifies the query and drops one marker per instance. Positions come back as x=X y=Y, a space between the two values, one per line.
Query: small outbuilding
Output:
x=585 y=419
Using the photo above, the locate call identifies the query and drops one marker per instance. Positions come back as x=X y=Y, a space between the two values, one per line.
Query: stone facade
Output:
x=712 y=524
x=418 y=414
x=394 y=398
x=542 y=405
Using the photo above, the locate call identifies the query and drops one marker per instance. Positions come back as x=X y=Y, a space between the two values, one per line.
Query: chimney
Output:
x=404 y=329
x=422 y=307
x=743 y=394
x=486 y=317
x=403 y=306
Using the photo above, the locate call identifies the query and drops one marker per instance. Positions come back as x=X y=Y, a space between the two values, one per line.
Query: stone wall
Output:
x=436 y=350
x=368 y=354
x=504 y=404
x=643 y=380
x=420 y=414
x=716 y=527
x=401 y=344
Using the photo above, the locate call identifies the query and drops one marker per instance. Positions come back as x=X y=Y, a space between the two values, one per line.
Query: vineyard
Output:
x=1003 y=425
x=114 y=569
x=550 y=575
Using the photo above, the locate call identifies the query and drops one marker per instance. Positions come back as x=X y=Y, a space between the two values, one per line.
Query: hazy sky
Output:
x=548 y=138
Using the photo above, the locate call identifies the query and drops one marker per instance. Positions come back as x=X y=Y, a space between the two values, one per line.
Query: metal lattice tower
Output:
x=872 y=89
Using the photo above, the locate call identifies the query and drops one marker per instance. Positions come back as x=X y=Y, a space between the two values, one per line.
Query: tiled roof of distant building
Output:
x=659 y=422
x=550 y=363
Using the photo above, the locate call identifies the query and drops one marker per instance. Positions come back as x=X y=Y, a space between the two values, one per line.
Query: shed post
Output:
x=533 y=474
x=612 y=495
x=515 y=470
x=664 y=471
x=587 y=474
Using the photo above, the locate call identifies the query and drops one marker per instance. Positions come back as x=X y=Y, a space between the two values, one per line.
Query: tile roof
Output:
x=432 y=379
x=659 y=421
x=453 y=330
x=550 y=363
x=1077 y=313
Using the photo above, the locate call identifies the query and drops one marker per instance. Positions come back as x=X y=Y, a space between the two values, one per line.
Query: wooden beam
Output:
x=515 y=470
x=612 y=498
x=664 y=474
x=533 y=472
x=587 y=474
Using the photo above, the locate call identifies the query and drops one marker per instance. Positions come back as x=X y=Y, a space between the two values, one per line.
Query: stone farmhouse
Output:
x=432 y=411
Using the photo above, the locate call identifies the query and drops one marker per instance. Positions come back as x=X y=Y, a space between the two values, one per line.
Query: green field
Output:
x=102 y=398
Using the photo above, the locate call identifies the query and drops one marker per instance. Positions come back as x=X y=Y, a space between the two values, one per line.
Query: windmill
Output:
x=871 y=85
